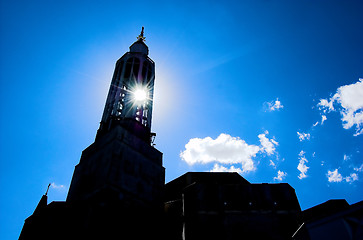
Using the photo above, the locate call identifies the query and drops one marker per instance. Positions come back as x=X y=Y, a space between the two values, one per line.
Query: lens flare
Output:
x=140 y=95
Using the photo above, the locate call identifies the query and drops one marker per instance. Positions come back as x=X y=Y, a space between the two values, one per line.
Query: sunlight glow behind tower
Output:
x=140 y=95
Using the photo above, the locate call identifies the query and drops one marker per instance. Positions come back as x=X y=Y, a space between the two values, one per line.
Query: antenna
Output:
x=46 y=193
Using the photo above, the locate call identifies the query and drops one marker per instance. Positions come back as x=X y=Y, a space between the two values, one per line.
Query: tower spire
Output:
x=141 y=36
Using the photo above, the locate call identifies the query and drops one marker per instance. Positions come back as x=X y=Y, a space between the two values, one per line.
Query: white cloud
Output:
x=303 y=136
x=280 y=175
x=325 y=104
x=302 y=165
x=272 y=164
x=346 y=157
x=268 y=145
x=219 y=168
x=360 y=169
x=274 y=105
x=353 y=177
x=55 y=186
x=349 y=99
x=334 y=176
x=225 y=149
x=323 y=119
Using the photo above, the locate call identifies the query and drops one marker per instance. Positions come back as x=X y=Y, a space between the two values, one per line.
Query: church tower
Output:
x=131 y=92
x=121 y=162
x=117 y=187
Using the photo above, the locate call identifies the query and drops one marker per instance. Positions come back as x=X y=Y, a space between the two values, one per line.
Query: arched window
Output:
x=120 y=67
x=128 y=68
x=136 y=67
x=144 y=70
x=149 y=73
x=118 y=72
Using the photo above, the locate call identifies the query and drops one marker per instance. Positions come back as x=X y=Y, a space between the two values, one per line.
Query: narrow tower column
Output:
x=130 y=98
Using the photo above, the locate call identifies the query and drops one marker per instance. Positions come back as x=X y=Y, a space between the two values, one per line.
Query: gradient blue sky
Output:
x=220 y=67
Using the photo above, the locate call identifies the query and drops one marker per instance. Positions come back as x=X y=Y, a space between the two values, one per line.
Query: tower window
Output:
x=128 y=68
x=119 y=72
x=144 y=122
x=144 y=70
x=149 y=74
x=119 y=106
x=136 y=67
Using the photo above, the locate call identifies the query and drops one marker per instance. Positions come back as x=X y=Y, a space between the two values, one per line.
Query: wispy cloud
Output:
x=268 y=145
x=352 y=177
x=56 y=186
x=323 y=119
x=302 y=165
x=273 y=164
x=280 y=175
x=349 y=102
x=219 y=168
x=359 y=169
x=303 y=136
x=335 y=176
x=274 y=105
x=326 y=105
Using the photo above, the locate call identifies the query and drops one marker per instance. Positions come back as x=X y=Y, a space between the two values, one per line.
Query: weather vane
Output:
x=141 y=36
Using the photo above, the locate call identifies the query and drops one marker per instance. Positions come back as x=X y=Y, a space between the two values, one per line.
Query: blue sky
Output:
x=270 y=89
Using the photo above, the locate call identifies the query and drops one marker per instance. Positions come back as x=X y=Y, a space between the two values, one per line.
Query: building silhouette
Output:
x=334 y=219
x=226 y=206
x=118 y=189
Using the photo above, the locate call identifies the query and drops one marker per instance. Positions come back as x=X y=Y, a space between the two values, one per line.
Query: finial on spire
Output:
x=141 y=36
x=46 y=193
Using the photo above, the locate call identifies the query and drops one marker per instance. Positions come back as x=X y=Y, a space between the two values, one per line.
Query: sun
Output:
x=140 y=95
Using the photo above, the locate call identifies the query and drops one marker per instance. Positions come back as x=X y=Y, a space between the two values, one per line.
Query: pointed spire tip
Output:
x=141 y=36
